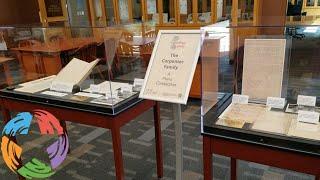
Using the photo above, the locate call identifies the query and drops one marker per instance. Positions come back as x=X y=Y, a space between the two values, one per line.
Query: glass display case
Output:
x=100 y=73
x=265 y=89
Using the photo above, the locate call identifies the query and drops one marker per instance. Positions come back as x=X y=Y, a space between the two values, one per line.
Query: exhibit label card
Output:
x=306 y=100
x=308 y=117
x=172 y=66
x=240 y=99
x=275 y=102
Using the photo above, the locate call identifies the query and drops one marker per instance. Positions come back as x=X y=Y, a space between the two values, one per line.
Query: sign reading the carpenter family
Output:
x=53 y=8
x=172 y=65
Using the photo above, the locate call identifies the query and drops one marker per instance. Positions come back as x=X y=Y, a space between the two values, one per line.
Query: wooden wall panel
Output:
x=19 y=12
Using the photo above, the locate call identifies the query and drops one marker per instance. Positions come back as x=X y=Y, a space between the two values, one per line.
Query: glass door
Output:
x=79 y=16
x=125 y=11
x=151 y=11
x=110 y=12
x=205 y=11
x=97 y=13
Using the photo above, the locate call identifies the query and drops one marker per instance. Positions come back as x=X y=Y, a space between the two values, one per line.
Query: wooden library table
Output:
x=47 y=58
x=6 y=68
x=296 y=154
x=88 y=114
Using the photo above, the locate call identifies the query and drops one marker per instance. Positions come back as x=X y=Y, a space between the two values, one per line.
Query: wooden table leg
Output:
x=207 y=159
x=117 y=152
x=6 y=69
x=157 y=126
x=233 y=168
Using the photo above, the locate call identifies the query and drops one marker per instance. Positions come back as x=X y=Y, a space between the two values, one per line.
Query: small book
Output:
x=74 y=73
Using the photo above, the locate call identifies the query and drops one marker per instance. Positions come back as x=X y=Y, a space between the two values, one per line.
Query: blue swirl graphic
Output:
x=18 y=125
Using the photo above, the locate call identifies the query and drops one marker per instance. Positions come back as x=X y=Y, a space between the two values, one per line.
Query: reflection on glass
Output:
x=168 y=11
x=204 y=11
x=152 y=11
x=186 y=11
x=136 y=10
x=110 y=12
x=79 y=17
x=78 y=13
x=98 y=13
x=124 y=10
x=226 y=12
x=310 y=2
x=245 y=10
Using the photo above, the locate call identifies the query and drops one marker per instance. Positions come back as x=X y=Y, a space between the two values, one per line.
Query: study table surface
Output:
x=139 y=41
x=89 y=114
x=296 y=154
x=58 y=46
x=6 y=68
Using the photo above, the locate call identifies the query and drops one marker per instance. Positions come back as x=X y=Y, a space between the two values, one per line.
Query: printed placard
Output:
x=172 y=66
x=61 y=87
x=307 y=100
x=138 y=82
x=95 y=88
x=240 y=99
x=53 y=93
x=308 y=117
x=275 y=102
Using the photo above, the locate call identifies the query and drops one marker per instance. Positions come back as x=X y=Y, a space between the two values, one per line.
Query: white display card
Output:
x=308 y=117
x=275 y=102
x=240 y=99
x=306 y=100
x=172 y=65
x=138 y=82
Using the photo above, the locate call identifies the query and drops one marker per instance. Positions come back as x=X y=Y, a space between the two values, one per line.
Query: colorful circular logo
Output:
x=20 y=125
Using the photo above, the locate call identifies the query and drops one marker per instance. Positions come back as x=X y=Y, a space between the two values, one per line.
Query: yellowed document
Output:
x=274 y=122
x=304 y=130
x=263 y=65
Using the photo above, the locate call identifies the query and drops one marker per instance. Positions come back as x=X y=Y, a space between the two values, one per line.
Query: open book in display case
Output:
x=74 y=70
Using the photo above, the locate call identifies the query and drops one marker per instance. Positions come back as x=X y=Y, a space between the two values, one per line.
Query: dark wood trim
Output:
x=284 y=159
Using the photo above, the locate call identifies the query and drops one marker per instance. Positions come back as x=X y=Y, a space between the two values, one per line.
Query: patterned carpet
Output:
x=91 y=154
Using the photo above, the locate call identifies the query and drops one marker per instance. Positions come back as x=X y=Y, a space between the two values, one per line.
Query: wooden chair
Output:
x=125 y=56
x=128 y=36
x=28 y=42
x=56 y=38
x=150 y=34
x=146 y=51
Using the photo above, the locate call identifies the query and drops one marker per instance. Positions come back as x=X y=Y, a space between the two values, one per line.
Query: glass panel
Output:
x=318 y=3
x=152 y=12
x=98 y=13
x=137 y=10
x=41 y=63
x=110 y=12
x=227 y=8
x=78 y=13
x=186 y=11
x=79 y=17
x=310 y=3
x=124 y=11
x=204 y=11
x=168 y=12
x=245 y=11
x=241 y=77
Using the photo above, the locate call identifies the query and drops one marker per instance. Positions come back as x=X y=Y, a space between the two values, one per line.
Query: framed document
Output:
x=172 y=66
x=264 y=65
x=53 y=8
